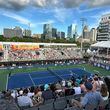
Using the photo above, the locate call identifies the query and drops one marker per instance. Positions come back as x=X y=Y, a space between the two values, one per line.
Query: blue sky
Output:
x=61 y=13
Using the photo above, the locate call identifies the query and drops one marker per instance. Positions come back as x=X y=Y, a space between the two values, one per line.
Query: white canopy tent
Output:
x=102 y=44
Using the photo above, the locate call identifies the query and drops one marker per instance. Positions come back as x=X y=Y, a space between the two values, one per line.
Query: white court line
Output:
x=7 y=82
x=32 y=80
x=96 y=71
x=48 y=77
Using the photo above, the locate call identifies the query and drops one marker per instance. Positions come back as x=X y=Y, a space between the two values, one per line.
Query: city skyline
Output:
x=61 y=13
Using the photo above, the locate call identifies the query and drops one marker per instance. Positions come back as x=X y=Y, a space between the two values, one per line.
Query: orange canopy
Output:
x=24 y=47
x=1 y=47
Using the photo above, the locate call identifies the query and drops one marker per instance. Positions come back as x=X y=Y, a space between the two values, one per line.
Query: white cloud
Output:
x=46 y=22
x=61 y=14
x=96 y=3
x=18 y=18
x=21 y=4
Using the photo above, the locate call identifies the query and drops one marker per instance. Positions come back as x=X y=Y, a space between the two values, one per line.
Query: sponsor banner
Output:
x=24 y=47
x=1 y=47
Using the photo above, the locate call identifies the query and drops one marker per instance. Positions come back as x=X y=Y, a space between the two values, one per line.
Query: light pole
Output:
x=83 y=20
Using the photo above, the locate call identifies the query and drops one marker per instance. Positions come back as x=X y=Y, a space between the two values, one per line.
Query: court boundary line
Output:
x=50 y=76
x=96 y=71
x=7 y=82
x=31 y=80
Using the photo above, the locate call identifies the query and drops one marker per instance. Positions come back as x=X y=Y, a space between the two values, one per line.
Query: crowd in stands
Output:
x=22 y=55
x=100 y=59
x=93 y=89
x=42 y=54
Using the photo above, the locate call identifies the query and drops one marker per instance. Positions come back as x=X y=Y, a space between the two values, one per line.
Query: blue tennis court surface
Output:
x=43 y=77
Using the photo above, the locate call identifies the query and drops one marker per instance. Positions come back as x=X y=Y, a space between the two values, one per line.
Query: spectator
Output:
x=25 y=100
x=31 y=92
x=107 y=81
x=104 y=92
x=8 y=103
x=96 y=84
x=37 y=98
x=77 y=89
x=47 y=94
x=91 y=100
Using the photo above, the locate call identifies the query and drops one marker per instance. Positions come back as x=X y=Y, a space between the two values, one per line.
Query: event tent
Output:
x=102 y=44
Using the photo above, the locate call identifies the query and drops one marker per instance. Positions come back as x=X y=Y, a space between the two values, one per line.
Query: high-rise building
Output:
x=15 y=32
x=47 y=31
x=59 y=34
x=54 y=33
x=103 y=30
x=93 y=34
x=27 y=33
x=62 y=34
x=71 y=31
x=86 y=33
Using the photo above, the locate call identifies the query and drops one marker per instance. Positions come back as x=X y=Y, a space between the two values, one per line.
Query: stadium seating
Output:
x=60 y=103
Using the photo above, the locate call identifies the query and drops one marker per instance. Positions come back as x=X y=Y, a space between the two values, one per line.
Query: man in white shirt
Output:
x=25 y=100
x=77 y=90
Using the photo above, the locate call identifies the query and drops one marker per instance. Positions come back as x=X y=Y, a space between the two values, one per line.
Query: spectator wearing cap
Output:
x=91 y=100
x=47 y=93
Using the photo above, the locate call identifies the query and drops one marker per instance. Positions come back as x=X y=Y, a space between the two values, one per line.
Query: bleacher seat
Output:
x=73 y=108
x=78 y=96
x=60 y=103
x=49 y=101
x=48 y=106
x=32 y=108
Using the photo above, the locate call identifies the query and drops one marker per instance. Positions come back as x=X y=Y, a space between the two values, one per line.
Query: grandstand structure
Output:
x=101 y=54
x=21 y=51
x=50 y=86
x=103 y=48
x=102 y=51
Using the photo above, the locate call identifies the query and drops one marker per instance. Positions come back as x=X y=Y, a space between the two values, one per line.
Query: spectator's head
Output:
x=88 y=86
x=8 y=95
x=96 y=75
x=25 y=91
x=95 y=78
x=104 y=90
x=107 y=81
x=32 y=89
x=46 y=87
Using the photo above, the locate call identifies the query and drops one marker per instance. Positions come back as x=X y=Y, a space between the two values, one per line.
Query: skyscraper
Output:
x=47 y=31
x=71 y=30
x=103 y=30
x=93 y=34
x=54 y=33
x=62 y=34
x=86 y=33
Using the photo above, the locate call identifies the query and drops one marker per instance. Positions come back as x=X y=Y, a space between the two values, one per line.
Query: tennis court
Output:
x=43 y=77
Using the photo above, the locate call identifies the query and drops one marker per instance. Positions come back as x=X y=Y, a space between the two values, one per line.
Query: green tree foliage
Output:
x=30 y=39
